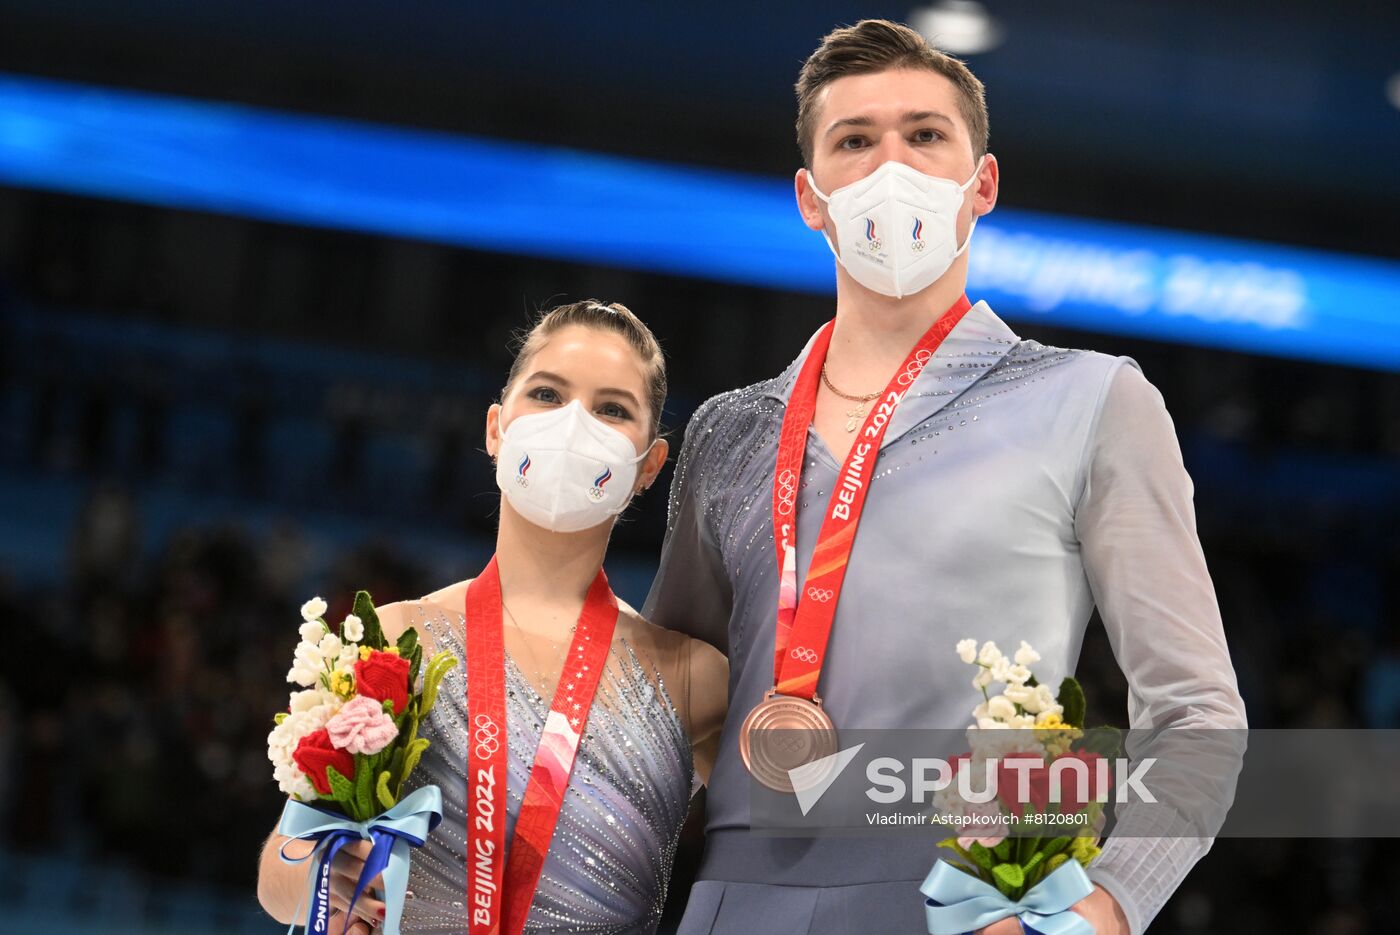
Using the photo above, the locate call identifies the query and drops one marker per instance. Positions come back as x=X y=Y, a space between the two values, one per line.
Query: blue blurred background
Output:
x=259 y=264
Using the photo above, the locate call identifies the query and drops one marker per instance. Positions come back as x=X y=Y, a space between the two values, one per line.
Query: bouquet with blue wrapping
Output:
x=1029 y=798
x=346 y=744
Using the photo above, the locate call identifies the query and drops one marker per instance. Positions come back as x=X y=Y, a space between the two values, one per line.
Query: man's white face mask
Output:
x=564 y=469
x=898 y=228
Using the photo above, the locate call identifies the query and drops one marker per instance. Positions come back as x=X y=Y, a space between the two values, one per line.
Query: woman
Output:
x=575 y=436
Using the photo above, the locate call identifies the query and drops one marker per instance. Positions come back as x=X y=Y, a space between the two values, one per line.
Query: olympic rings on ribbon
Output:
x=821 y=595
x=911 y=369
x=487 y=736
x=787 y=491
x=803 y=654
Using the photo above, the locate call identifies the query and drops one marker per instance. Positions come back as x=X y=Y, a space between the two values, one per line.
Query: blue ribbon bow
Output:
x=406 y=825
x=959 y=902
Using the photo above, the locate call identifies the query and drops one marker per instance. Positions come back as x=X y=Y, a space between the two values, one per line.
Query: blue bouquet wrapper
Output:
x=394 y=834
x=957 y=902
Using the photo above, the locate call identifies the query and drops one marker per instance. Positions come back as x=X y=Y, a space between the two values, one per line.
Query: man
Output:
x=1016 y=486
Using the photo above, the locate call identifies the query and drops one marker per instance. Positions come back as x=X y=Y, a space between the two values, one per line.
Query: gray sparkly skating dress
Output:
x=610 y=859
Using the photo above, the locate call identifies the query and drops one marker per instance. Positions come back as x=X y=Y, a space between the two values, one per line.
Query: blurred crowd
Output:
x=139 y=697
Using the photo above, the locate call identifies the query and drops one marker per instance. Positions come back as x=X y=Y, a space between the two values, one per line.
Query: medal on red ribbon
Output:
x=499 y=892
x=801 y=730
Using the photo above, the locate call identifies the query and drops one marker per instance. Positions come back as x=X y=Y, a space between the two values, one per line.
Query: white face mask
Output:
x=565 y=470
x=898 y=227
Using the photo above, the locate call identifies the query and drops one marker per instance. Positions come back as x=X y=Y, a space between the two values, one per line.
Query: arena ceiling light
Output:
x=959 y=27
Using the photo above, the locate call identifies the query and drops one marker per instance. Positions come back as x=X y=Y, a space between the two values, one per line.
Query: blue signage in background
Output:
x=586 y=207
x=1190 y=288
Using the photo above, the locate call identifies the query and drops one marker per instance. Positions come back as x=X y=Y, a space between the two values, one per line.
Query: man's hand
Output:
x=1099 y=909
x=1102 y=911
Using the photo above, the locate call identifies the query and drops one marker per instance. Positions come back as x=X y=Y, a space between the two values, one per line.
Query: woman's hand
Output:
x=336 y=923
x=345 y=873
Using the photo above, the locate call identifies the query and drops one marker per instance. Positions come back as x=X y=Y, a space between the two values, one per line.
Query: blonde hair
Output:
x=875 y=45
x=614 y=317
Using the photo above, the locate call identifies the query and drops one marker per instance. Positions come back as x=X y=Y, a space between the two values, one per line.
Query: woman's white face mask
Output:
x=565 y=470
x=898 y=228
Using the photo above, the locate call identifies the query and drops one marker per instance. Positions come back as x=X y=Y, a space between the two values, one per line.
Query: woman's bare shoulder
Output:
x=638 y=629
x=672 y=645
x=454 y=595
x=701 y=670
x=398 y=616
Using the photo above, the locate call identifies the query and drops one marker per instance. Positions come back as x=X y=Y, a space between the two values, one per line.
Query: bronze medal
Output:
x=788 y=730
x=781 y=733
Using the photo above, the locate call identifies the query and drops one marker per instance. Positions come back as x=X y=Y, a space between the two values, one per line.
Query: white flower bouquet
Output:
x=348 y=741
x=1033 y=825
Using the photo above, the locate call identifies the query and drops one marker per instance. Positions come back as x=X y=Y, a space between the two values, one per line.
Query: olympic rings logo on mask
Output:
x=821 y=595
x=487 y=736
x=803 y=654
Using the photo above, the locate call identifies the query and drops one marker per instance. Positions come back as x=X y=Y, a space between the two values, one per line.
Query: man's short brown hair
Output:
x=874 y=45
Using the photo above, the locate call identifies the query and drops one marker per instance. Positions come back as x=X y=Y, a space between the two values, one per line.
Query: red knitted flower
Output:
x=383 y=677
x=315 y=752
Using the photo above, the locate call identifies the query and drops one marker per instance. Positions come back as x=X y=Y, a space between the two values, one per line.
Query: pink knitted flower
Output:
x=361 y=726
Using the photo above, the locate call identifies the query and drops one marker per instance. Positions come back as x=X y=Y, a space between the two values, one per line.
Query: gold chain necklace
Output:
x=853 y=416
